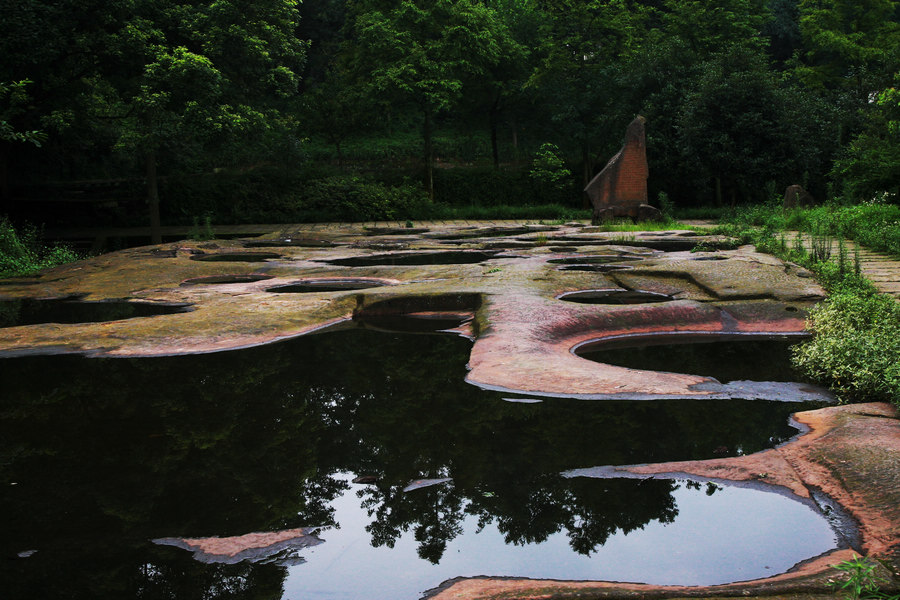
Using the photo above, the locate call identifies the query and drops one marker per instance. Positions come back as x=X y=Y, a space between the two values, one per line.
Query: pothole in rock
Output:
x=414 y=322
x=456 y=257
x=226 y=279
x=396 y=231
x=593 y=260
x=507 y=245
x=326 y=285
x=290 y=242
x=725 y=357
x=236 y=257
x=709 y=258
x=614 y=296
x=596 y=268
x=488 y=232
x=14 y=313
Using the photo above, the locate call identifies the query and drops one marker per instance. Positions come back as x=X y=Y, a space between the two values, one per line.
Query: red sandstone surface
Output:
x=524 y=339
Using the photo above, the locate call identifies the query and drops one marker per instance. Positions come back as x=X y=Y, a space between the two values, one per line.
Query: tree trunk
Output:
x=718 y=191
x=495 y=152
x=429 y=156
x=153 y=200
x=515 y=139
x=587 y=167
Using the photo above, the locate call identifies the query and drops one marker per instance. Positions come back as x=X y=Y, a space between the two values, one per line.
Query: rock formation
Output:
x=620 y=189
x=795 y=196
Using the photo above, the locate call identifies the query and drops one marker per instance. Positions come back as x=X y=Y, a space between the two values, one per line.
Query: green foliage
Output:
x=870 y=163
x=202 y=232
x=666 y=206
x=352 y=198
x=13 y=99
x=862 y=580
x=23 y=253
x=550 y=213
x=549 y=172
x=734 y=125
x=874 y=225
x=851 y=44
x=742 y=97
x=488 y=187
x=856 y=348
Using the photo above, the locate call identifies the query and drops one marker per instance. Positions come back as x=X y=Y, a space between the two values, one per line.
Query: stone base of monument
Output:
x=635 y=212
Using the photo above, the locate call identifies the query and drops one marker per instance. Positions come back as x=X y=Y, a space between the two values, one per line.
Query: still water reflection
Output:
x=100 y=456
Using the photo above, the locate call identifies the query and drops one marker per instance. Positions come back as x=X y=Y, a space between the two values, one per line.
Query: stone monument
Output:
x=620 y=189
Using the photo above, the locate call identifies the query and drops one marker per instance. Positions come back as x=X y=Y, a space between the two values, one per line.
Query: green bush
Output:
x=486 y=186
x=264 y=194
x=856 y=348
x=22 y=253
x=352 y=198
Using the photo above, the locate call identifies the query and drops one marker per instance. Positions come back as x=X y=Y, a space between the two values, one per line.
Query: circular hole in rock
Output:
x=595 y=268
x=601 y=259
x=395 y=231
x=326 y=285
x=456 y=257
x=614 y=297
x=28 y=311
x=225 y=279
x=726 y=357
x=413 y=323
x=236 y=257
x=301 y=243
x=710 y=258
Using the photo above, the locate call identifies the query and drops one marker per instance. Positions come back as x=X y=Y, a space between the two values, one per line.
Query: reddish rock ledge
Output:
x=851 y=454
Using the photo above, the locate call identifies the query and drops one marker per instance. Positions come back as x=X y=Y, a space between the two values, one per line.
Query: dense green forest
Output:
x=268 y=110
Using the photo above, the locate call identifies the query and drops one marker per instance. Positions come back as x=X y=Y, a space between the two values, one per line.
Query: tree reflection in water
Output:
x=99 y=456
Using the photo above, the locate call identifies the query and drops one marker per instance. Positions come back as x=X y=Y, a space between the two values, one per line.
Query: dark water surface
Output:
x=726 y=357
x=31 y=312
x=100 y=456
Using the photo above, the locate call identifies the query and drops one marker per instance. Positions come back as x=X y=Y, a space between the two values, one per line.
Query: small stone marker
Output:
x=795 y=196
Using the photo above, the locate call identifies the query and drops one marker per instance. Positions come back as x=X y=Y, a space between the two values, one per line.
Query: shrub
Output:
x=352 y=198
x=22 y=253
x=486 y=186
x=856 y=348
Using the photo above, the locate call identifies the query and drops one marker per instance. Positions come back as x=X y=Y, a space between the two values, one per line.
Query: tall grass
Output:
x=874 y=225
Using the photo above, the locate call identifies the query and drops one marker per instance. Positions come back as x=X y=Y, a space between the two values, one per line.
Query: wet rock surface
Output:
x=524 y=341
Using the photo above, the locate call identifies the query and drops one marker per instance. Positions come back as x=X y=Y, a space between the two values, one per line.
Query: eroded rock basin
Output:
x=508 y=451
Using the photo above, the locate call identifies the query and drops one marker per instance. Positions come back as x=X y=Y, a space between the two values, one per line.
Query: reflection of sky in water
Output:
x=735 y=534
